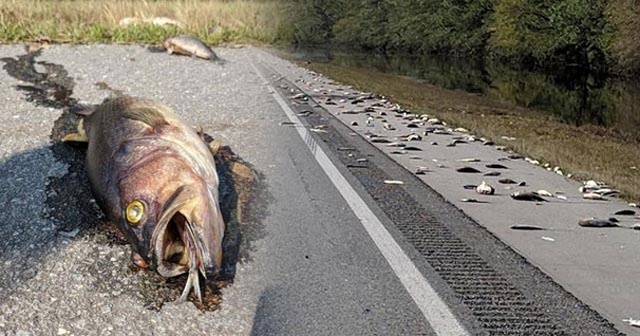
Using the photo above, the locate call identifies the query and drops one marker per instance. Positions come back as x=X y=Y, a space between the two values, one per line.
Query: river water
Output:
x=572 y=96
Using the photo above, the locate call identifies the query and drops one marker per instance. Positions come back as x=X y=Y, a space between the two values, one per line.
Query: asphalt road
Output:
x=307 y=265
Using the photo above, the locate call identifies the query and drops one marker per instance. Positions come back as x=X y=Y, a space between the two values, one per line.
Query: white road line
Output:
x=434 y=309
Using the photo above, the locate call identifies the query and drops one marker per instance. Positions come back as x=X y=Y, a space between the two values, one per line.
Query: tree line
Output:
x=599 y=35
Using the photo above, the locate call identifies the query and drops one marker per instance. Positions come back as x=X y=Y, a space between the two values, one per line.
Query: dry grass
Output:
x=215 y=21
x=587 y=152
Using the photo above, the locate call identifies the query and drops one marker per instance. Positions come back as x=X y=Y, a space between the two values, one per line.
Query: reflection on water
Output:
x=574 y=96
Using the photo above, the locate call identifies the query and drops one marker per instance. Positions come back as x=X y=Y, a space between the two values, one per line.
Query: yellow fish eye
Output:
x=134 y=212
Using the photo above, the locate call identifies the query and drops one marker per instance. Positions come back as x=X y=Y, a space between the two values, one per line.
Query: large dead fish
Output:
x=156 y=179
x=189 y=46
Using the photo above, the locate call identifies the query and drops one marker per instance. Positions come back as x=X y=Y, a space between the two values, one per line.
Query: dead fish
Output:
x=526 y=227
x=496 y=166
x=492 y=173
x=156 y=179
x=507 y=181
x=527 y=196
x=189 y=46
x=625 y=212
x=596 y=223
x=422 y=170
x=467 y=169
x=485 y=189
x=456 y=142
x=380 y=140
x=472 y=200
x=544 y=193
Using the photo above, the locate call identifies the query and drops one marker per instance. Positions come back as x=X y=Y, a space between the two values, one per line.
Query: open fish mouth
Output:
x=176 y=253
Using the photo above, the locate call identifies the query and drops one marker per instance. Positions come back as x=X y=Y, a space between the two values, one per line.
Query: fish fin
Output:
x=214 y=146
x=148 y=115
x=80 y=136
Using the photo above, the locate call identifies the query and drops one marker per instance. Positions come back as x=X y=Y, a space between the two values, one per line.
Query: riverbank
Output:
x=586 y=152
x=215 y=22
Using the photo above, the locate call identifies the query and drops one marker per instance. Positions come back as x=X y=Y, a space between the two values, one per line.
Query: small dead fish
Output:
x=412 y=148
x=625 y=212
x=526 y=227
x=485 y=189
x=593 y=196
x=467 y=169
x=189 y=46
x=492 y=173
x=527 y=196
x=472 y=200
x=414 y=137
x=422 y=170
x=544 y=193
x=596 y=223
x=393 y=182
x=456 y=142
x=507 y=181
x=470 y=186
x=496 y=166
x=299 y=96
x=380 y=140
x=470 y=160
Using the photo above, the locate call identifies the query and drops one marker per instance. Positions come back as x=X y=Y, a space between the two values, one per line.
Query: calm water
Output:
x=574 y=96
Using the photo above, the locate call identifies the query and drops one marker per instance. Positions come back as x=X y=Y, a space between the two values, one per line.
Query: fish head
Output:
x=189 y=234
x=176 y=226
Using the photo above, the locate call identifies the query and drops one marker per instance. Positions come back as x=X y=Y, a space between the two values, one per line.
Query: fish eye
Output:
x=134 y=212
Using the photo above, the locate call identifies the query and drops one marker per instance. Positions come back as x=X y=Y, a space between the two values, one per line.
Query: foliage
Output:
x=540 y=34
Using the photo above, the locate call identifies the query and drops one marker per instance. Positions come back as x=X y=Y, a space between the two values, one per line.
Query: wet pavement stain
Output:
x=244 y=197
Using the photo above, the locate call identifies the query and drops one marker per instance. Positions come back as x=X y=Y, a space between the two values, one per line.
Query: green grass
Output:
x=65 y=21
